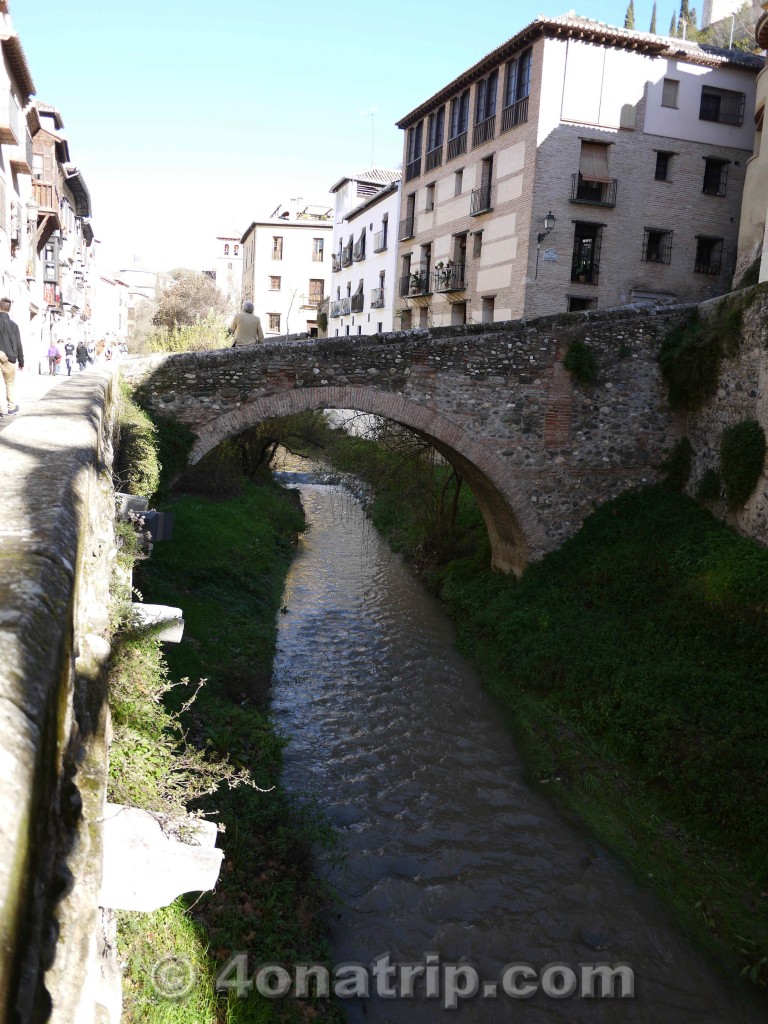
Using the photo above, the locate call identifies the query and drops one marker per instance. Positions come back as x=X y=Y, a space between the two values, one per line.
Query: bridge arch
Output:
x=513 y=529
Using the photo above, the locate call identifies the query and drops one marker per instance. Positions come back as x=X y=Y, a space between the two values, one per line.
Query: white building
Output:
x=109 y=308
x=366 y=214
x=286 y=268
x=228 y=268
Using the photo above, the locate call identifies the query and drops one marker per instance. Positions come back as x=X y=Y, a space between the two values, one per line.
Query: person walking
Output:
x=11 y=356
x=69 y=355
x=246 y=327
x=82 y=355
x=53 y=355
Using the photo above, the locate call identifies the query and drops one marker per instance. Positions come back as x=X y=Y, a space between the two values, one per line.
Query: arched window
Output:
x=226 y=249
x=237 y=249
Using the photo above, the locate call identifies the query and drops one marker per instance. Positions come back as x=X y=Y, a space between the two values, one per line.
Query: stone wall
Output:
x=57 y=543
x=538 y=451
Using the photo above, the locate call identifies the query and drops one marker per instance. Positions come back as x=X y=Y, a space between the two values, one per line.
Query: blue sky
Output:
x=191 y=119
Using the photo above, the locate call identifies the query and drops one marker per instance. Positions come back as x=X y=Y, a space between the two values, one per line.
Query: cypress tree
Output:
x=685 y=14
x=653 y=19
x=672 y=30
x=629 y=17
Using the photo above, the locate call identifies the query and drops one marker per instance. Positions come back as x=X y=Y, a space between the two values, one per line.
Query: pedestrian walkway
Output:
x=31 y=387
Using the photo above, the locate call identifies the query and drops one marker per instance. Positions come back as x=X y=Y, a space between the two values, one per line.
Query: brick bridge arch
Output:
x=538 y=450
x=513 y=529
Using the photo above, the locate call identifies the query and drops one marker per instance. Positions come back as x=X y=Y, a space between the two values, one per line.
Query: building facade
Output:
x=286 y=268
x=578 y=165
x=753 y=243
x=364 y=260
x=228 y=268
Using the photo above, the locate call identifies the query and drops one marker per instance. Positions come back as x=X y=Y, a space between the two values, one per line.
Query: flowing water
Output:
x=447 y=850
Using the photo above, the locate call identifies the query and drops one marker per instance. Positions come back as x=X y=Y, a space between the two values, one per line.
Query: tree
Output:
x=653 y=19
x=192 y=297
x=629 y=17
x=673 y=26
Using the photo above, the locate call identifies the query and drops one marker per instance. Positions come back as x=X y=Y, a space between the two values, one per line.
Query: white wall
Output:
x=294 y=270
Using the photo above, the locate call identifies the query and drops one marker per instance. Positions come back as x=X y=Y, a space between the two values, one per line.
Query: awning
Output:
x=593 y=165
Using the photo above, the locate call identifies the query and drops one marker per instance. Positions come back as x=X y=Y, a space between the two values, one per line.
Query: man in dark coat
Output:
x=11 y=356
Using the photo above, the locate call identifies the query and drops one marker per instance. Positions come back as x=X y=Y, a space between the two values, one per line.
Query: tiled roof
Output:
x=573 y=26
x=375 y=175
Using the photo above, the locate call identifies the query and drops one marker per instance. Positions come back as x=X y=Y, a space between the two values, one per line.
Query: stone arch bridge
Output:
x=538 y=450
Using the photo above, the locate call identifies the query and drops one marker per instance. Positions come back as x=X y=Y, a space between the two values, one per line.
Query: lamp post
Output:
x=549 y=223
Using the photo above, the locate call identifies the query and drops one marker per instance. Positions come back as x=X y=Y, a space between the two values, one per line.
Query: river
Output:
x=449 y=856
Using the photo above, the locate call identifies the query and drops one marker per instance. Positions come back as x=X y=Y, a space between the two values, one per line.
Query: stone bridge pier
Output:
x=538 y=450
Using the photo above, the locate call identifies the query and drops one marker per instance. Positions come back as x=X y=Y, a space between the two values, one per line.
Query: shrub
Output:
x=137 y=466
x=710 y=486
x=581 y=362
x=690 y=355
x=742 y=454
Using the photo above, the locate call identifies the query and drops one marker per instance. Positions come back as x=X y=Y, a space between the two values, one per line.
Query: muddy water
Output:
x=447 y=849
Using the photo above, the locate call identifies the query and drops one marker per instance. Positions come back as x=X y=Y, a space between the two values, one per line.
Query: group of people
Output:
x=84 y=353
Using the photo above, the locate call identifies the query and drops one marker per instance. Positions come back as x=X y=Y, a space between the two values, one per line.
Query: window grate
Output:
x=657 y=245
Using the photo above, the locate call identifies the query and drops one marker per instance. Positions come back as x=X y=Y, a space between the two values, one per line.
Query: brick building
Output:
x=636 y=144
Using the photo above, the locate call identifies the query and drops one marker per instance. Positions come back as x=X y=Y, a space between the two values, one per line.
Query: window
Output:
x=413 y=161
x=593 y=183
x=477 y=244
x=457 y=139
x=657 y=245
x=318 y=245
x=481 y=197
x=229 y=266
x=587 y=239
x=380 y=327
x=429 y=199
x=576 y=303
x=237 y=250
x=274 y=284
x=316 y=290
x=226 y=250
x=669 y=92
x=458 y=182
x=516 y=87
x=709 y=255
x=663 y=166
x=487 y=310
x=277 y=247
x=485 y=109
x=721 y=105
x=715 y=176
x=435 y=132
x=274 y=321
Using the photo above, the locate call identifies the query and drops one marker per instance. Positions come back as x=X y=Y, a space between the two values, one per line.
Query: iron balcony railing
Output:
x=377 y=298
x=457 y=145
x=335 y=309
x=449 y=278
x=406 y=228
x=434 y=157
x=345 y=305
x=413 y=169
x=484 y=131
x=357 y=302
x=481 y=200
x=597 y=193
x=415 y=283
x=515 y=114
x=380 y=241
x=358 y=253
x=346 y=256
x=335 y=264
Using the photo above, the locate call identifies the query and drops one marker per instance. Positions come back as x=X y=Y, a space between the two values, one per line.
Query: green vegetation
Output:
x=742 y=455
x=678 y=465
x=710 y=487
x=581 y=362
x=691 y=354
x=213 y=749
x=137 y=467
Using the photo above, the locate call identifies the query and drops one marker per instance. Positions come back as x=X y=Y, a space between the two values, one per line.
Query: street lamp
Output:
x=549 y=223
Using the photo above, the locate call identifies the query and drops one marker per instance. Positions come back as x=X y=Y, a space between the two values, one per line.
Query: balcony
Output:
x=346 y=256
x=515 y=114
x=406 y=228
x=345 y=305
x=457 y=145
x=380 y=241
x=10 y=133
x=46 y=196
x=415 y=283
x=481 y=200
x=335 y=307
x=22 y=162
x=377 y=298
x=358 y=253
x=434 y=157
x=596 y=193
x=357 y=302
x=335 y=264
x=449 y=278
x=484 y=131
x=413 y=169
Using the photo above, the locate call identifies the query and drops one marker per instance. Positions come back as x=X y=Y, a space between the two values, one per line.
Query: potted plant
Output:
x=418 y=281
x=582 y=271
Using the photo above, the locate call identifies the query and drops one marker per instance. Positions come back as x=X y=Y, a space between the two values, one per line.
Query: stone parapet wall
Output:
x=57 y=543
